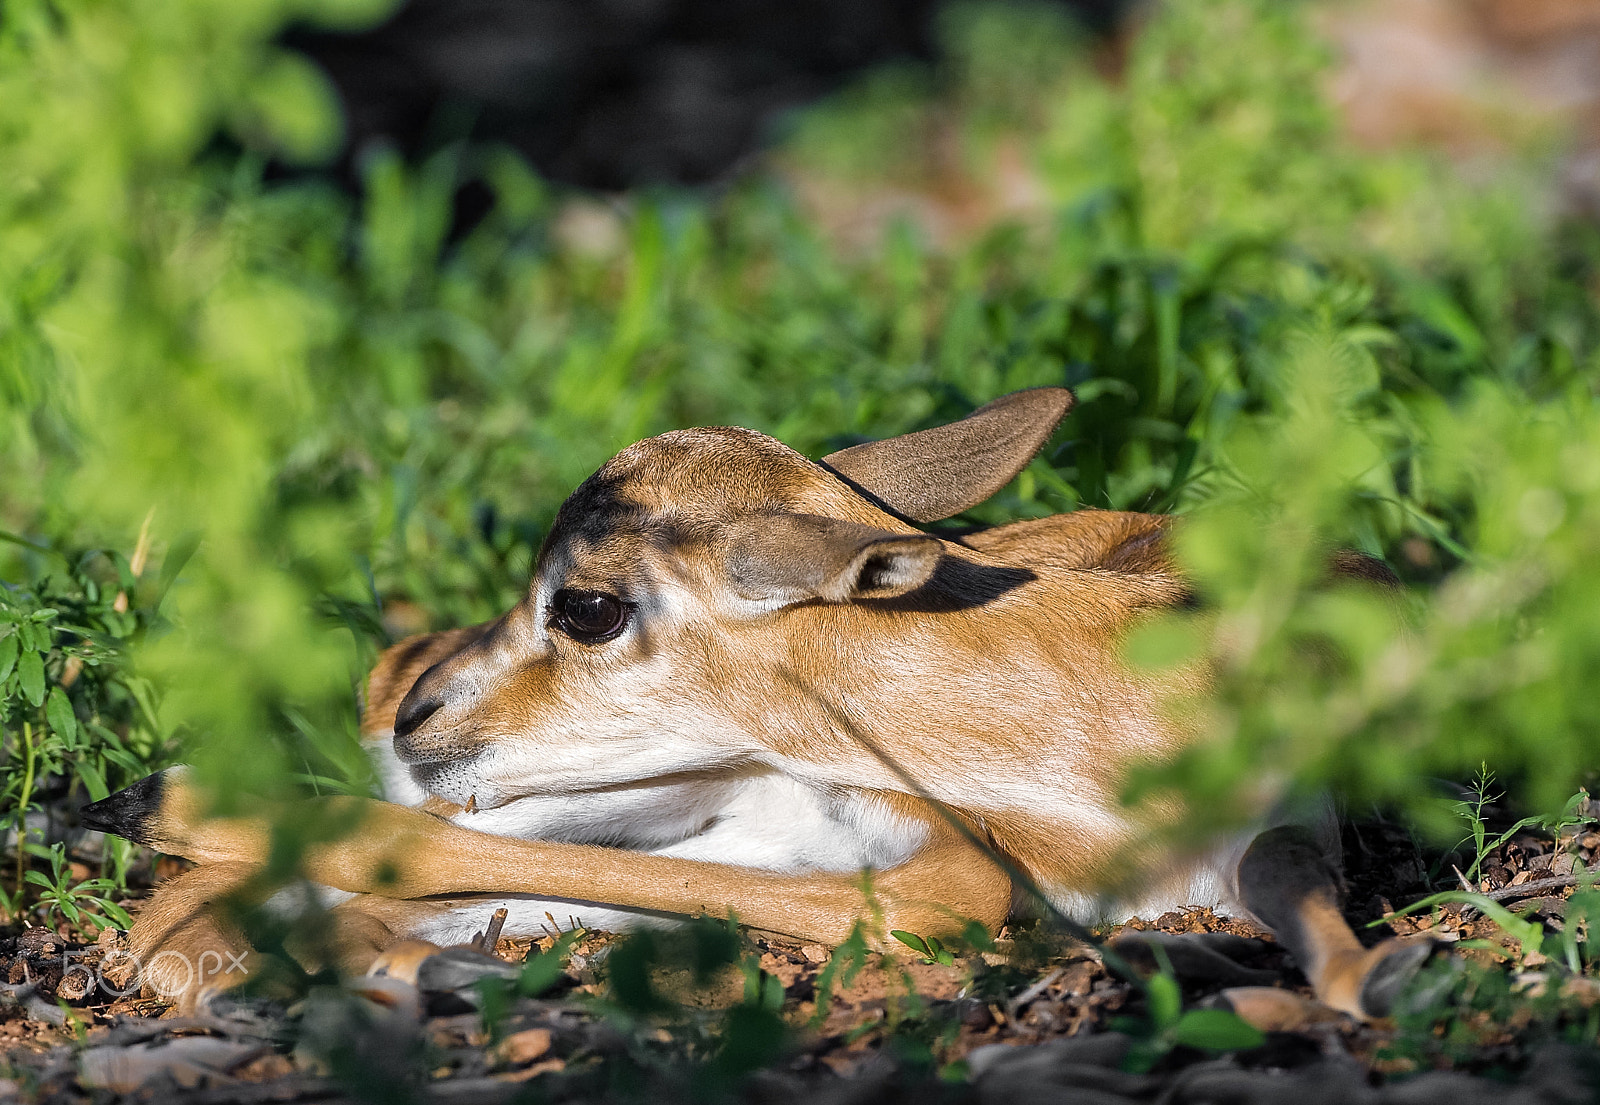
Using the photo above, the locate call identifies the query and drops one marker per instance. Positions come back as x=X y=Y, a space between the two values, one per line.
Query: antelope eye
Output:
x=589 y=616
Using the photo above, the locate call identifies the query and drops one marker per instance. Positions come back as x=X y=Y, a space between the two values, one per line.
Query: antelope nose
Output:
x=414 y=710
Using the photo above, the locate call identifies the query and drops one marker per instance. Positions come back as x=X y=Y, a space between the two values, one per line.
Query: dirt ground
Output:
x=1035 y=1018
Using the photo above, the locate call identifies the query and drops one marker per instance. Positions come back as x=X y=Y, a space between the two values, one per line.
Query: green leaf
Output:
x=752 y=1037
x=294 y=109
x=15 y=539
x=912 y=941
x=545 y=969
x=8 y=655
x=977 y=936
x=58 y=711
x=115 y=914
x=178 y=553
x=762 y=990
x=1216 y=1030
x=37 y=878
x=1143 y=1053
x=93 y=780
x=125 y=760
x=30 y=670
x=1165 y=999
x=846 y=962
x=1530 y=934
x=628 y=974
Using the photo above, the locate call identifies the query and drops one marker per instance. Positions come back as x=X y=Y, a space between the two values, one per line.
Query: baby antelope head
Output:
x=675 y=585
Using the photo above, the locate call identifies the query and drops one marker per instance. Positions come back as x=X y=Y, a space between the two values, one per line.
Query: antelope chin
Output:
x=457 y=782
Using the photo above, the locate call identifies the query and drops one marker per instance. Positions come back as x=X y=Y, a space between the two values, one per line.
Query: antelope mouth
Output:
x=445 y=744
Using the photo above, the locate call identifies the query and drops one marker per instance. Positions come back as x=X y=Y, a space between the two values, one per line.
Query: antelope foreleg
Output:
x=1288 y=882
x=403 y=854
x=399 y=852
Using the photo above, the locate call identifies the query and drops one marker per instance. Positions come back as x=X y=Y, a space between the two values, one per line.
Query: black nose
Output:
x=414 y=710
x=129 y=812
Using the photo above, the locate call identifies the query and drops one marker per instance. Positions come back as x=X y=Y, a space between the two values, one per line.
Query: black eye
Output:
x=589 y=616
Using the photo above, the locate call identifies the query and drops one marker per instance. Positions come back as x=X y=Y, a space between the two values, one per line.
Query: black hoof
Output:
x=453 y=969
x=1392 y=973
x=130 y=813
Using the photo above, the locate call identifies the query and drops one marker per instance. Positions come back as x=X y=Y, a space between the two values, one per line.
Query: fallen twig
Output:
x=25 y=996
x=126 y=1030
x=1531 y=889
x=1022 y=1000
x=491 y=935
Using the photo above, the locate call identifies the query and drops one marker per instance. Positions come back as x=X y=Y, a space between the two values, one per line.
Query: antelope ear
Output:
x=780 y=559
x=935 y=473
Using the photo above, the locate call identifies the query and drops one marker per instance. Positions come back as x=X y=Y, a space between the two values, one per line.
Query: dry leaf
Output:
x=525 y=1046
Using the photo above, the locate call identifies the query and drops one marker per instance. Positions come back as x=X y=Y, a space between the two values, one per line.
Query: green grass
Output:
x=352 y=423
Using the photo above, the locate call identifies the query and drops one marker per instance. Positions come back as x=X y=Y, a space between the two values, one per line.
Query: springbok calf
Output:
x=726 y=655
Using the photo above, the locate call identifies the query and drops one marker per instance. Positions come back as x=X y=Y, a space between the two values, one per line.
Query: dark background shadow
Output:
x=613 y=94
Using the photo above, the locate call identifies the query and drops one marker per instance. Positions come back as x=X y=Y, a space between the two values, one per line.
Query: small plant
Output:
x=545 y=969
x=1456 y=1012
x=76 y=719
x=1166 y=1024
x=542 y=970
x=1484 y=795
x=928 y=947
x=1582 y=915
x=75 y=901
x=846 y=962
x=1530 y=935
